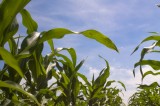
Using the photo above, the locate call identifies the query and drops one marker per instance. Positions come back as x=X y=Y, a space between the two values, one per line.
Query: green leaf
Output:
x=104 y=74
x=150 y=72
x=65 y=78
x=29 y=42
x=13 y=46
x=8 y=11
x=12 y=85
x=84 y=78
x=11 y=61
x=58 y=33
x=122 y=84
x=75 y=88
x=153 y=32
x=93 y=34
x=79 y=65
x=73 y=55
x=109 y=83
x=96 y=92
x=153 y=85
x=50 y=42
x=28 y=22
x=153 y=63
x=68 y=61
x=10 y=31
x=156 y=38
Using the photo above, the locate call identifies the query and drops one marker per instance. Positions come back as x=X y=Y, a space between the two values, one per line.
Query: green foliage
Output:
x=98 y=92
x=146 y=96
x=146 y=50
x=25 y=76
x=149 y=94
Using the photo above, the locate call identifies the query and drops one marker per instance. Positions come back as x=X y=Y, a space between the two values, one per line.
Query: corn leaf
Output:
x=10 y=60
x=58 y=33
x=153 y=63
x=150 y=72
x=28 y=22
x=12 y=85
x=8 y=11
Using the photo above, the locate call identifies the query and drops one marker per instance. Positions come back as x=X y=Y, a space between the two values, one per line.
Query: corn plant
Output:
x=152 y=91
x=25 y=75
x=98 y=92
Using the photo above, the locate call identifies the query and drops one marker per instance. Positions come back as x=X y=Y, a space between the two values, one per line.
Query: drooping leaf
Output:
x=156 y=38
x=153 y=63
x=58 y=33
x=28 y=22
x=122 y=84
x=150 y=72
x=12 y=85
x=93 y=34
x=10 y=60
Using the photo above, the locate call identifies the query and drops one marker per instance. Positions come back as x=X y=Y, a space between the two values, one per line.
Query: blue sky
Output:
x=126 y=22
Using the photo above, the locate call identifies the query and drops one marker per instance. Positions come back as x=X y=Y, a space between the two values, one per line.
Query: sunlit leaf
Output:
x=29 y=42
x=156 y=38
x=8 y=11
x=28 y=22
x=10 y=60
x=93 y=34
x=58 y=33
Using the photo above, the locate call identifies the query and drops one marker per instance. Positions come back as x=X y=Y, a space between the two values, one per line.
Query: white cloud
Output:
x=93 y=71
